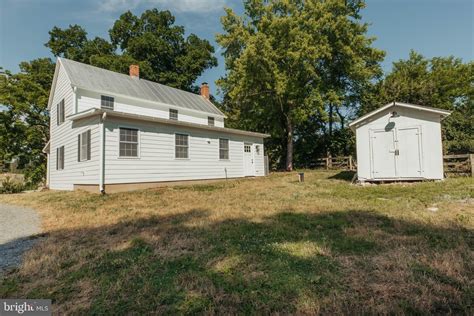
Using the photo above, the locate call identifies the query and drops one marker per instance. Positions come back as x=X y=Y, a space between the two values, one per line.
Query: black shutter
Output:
x=89 y=145
x=57 y=114
x=57 y=158
x=62 y=157
x=79 y=147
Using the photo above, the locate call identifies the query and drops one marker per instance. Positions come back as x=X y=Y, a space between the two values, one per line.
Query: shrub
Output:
x=11 y=186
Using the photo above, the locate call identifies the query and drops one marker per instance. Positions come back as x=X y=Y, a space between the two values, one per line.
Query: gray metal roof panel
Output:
x=94 y=78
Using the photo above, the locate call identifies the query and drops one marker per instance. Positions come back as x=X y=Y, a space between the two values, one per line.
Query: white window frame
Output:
x=173 y=111
x=228 y=148
x=84 y=148
x=138 y=143
x=106 y=107
x=61 y=112
x=189 y=146
x=60 y=166
x=209 y=119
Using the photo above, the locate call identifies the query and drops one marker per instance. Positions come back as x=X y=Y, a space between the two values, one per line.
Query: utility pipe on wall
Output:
x=102 y=153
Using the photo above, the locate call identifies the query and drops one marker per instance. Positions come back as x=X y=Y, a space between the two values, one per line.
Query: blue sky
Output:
x=432 y=27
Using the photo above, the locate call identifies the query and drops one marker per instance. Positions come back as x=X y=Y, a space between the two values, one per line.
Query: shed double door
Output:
x=396 y=153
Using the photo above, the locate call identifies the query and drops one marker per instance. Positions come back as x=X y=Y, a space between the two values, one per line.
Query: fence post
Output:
x=350 y=162
x=471 y=159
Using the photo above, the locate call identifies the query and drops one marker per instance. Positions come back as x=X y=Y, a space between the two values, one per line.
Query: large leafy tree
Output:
x=442 y=82
x=24 y=124
x=151 y=40
x=290 y=62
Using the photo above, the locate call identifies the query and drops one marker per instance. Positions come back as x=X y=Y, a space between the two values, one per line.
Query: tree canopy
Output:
x=151 y=40
x=441 y=82
x=293 y=63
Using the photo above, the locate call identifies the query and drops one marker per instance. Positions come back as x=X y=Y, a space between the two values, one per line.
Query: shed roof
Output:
x=101 y=80
x=361 y=119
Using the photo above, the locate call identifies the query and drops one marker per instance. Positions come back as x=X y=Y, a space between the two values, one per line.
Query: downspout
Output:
x=102 y=153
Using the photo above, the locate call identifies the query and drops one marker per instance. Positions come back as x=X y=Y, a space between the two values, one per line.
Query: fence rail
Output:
x=343 y=162
x=459 y=165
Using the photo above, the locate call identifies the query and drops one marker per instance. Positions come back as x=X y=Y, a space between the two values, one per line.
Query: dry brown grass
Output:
x=258 y=245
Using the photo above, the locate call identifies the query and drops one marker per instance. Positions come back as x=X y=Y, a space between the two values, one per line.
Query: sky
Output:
x=431 y=27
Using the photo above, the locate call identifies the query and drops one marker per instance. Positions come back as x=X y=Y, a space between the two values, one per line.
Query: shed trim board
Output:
x=399 y=142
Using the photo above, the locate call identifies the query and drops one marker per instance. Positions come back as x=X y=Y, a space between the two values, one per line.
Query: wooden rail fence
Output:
x=343 y=162
x=459 y=165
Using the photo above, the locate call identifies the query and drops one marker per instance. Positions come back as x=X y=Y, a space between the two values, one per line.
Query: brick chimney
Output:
x=135 y=71
x=205 y=90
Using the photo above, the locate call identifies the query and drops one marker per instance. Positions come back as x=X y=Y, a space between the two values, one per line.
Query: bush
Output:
x=11 y=186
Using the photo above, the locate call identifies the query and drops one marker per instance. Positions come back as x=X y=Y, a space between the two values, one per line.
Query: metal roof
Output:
x=97 y=79
x=93 y=111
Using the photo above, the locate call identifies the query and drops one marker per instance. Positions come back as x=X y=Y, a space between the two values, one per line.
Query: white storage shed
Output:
x=398 y=142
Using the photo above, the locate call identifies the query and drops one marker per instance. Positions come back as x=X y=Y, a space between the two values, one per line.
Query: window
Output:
x=210 y=121
x=181 y=146
x=60 y=158
x=247 y=148
x=60 y=112
x=173 y=114
x=223 y=148
x=84 y=146
x=106 y=102
x=128 y=142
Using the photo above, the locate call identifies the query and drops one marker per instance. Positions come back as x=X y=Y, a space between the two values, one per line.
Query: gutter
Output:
x=102 y=153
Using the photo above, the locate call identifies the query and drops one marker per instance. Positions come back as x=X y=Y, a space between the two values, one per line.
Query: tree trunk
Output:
x=331 y=110
x=289 y=144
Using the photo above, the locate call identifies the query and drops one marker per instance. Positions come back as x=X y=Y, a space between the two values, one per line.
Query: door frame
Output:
x=396 y=148
x=251 y=172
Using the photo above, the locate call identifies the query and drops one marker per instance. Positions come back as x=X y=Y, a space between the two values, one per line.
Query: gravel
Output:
x=19 y=227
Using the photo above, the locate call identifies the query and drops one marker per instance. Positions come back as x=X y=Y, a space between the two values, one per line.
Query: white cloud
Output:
x=193 y=6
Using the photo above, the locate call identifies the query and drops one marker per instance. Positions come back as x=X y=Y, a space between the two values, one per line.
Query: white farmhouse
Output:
x=400 y=141
x=112 y=132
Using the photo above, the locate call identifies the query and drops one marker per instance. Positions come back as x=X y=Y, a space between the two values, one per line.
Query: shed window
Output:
x=181 y=146
x=60 y=112
x=60 y=158
x=128 y=142
x=173 y=114
x=247 y=148
x=84 y=146
x=210 y=121
x=223 y=148
x=106 y=102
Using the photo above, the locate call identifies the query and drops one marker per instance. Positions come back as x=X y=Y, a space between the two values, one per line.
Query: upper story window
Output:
x=60 y=112
x=210 y=121
x=173 y=114
x=181 y=146
x=223 y=148
x=106 y=102
x=60 y=158
x=128 y=142
x=84 y=146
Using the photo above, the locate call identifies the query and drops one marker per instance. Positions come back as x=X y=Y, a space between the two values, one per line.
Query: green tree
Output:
x=151 y=40
x=291 y=61
x=25 y=127
x=442 y=82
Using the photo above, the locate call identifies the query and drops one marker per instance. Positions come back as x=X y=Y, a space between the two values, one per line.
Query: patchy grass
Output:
x=254 y=246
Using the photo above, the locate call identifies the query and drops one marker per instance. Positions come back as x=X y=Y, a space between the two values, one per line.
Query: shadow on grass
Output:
x=344 y=175
x=286 y=263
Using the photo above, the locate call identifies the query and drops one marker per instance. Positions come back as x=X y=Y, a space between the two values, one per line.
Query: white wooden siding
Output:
x=74 y=172
x=88 y=99
x=157 y=160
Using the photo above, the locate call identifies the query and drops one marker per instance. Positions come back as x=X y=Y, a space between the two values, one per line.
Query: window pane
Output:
x=107 y=102
x=173 y=114
x=210 y=121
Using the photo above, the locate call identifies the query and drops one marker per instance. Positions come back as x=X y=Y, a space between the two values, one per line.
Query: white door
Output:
x=409 y=152
x=248 y=160
x=383 y=164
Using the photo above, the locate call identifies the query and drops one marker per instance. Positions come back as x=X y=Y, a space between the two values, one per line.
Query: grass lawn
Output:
x=254 y=246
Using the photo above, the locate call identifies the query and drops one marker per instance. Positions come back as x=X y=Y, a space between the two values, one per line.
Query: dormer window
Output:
x=173 y=114
x=210 y=121
x=106 y=102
